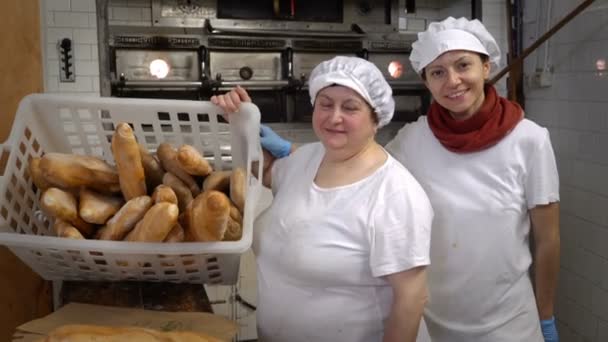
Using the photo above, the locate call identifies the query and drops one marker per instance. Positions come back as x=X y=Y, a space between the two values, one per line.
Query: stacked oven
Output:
x=203 y=54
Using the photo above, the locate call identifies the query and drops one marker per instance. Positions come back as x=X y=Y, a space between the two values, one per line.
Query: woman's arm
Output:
x=545 y=227
x=409 y=298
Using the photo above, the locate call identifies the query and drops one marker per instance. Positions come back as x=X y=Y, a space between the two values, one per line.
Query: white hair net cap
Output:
x=359 y=75
x=453 y=34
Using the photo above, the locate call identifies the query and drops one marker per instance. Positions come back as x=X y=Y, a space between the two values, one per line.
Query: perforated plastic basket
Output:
x=58 y=123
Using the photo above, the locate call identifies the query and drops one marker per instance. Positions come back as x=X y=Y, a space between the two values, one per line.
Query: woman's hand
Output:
x=231 y=101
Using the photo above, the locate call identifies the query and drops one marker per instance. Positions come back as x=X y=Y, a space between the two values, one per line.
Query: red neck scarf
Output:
x=495 y=118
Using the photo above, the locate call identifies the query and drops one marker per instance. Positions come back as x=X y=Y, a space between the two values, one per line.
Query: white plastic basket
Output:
x=59 y=123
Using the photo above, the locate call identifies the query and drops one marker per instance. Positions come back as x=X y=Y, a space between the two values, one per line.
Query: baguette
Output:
x=238 y=182
x=168 y=159
x=73 y=171
x=125 y=150
x=209 y=216
x=97 y=208
x=176 y=234
x=66 y=230
x=192 y=161
x=36 y=174
x=63 y=205
x=217 y=180
x=93 y=333
x=156 y=223
x=126 y=218
x=184 y=195
x=152 y=169
x=234 y=230
x=164 y=193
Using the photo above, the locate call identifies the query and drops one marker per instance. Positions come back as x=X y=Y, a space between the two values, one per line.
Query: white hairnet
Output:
x=453 y=34
x=360 y=76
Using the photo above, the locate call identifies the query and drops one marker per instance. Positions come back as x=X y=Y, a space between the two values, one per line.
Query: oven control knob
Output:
x=246 y=73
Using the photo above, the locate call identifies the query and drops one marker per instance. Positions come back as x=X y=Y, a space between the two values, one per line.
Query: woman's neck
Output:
x=342 y=168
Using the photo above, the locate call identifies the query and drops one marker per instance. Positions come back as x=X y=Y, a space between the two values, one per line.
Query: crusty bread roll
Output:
x=126 y=218
x=93 y=333
x=97 y=208
x=176 y=234
x=234 y=230
x=217 y=180
x=238 y=183
x=164 y=193
x=209 y=216
x=184 y=195
x=66 y=230
x=153 y=170
x=125 y=150
x=63 y=205
x=156 y=223
x=192 y=161
x=36 y=174
x=73 y=171
x=168 y=159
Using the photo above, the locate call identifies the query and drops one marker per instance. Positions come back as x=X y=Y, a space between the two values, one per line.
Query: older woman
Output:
x=343 y=248
x=492 y=179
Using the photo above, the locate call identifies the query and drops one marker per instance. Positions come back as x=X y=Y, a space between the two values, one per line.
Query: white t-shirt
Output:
x=321 y=252
x=479 y=285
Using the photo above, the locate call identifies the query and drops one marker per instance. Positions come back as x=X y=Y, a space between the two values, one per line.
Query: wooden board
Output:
x=23 y=295
x=21 y=57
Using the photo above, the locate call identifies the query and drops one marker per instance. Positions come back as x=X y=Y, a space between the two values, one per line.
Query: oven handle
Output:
x=198 y=84
x=415 y=85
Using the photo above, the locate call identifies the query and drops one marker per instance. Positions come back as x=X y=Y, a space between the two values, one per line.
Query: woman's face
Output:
x=342 y=119
x=456 y=81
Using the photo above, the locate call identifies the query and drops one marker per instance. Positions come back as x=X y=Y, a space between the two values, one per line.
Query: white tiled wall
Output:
x=574 y=108
x=76 y=20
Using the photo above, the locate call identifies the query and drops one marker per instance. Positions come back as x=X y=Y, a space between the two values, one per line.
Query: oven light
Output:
x=395 y=69
x=159 y=68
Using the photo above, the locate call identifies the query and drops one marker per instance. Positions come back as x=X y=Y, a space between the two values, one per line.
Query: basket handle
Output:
x=245 y=134
x=5 y=153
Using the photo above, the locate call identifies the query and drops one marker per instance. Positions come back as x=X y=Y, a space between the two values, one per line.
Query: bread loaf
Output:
x=66 y=230
x=92 y=333
x=156 y=223
x=97 y=208
x=176 y=234
x=192 y=161
x=184 y=195
x=164 y=193
x=36 y=174
x=61 y=204
x=238 y=182
x=209 y=216
x=217 y=180
x=125 y=150
x=168 y=159
x=126 y=218
x=73 y=171
x=152 y=169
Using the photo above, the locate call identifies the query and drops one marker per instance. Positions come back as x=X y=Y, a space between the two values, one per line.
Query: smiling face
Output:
x=456 y=81
x=343 y=120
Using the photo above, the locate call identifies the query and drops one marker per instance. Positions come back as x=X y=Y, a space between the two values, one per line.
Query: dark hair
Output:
x=484 y=58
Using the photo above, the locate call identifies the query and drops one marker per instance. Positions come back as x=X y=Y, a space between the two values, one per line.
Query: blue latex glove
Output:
x=273 y=143
x=549 y=330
